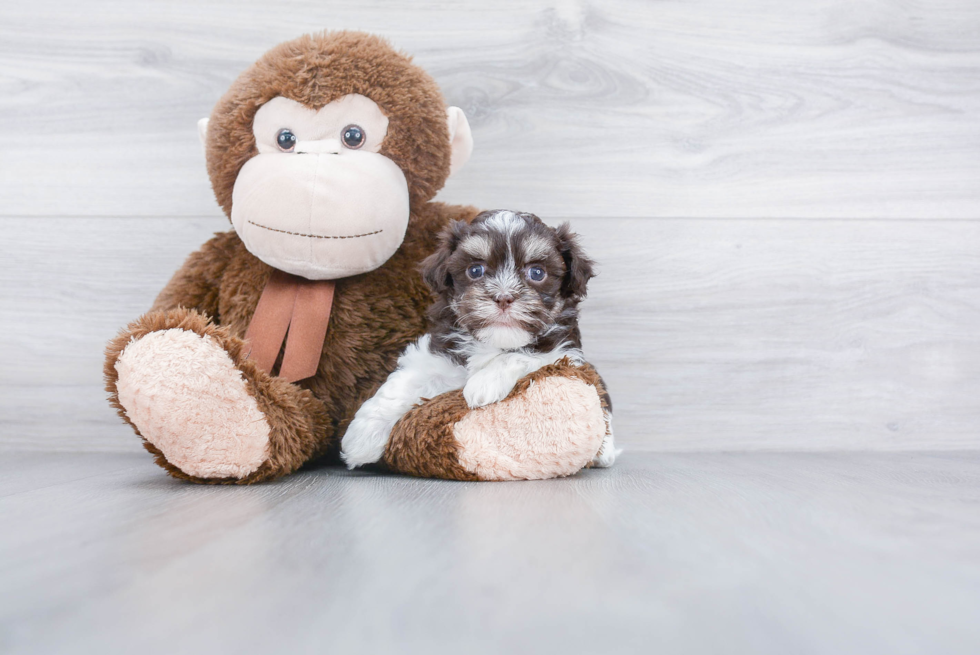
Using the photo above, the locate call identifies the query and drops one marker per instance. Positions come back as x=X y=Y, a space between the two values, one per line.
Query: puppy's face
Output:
x=507 y=278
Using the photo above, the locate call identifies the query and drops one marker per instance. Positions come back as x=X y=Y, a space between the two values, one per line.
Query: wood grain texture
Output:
x=695 y=553
x=708 y=108
x=712 y=334
x=789 y=334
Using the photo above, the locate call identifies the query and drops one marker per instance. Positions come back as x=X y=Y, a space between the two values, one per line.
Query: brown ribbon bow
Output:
x=299 y=306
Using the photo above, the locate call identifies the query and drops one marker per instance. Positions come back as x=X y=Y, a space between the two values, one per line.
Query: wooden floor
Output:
x=665 y=553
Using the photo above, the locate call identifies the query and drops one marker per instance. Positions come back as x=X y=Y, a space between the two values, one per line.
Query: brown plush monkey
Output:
x=325 y=155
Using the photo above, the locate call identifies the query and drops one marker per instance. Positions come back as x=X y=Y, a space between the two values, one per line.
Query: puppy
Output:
x=508 y=289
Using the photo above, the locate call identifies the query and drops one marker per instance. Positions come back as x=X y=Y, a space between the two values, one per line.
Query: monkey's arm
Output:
x=195 y=284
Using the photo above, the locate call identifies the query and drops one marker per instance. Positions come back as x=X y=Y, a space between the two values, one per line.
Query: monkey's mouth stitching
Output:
x=313 y=236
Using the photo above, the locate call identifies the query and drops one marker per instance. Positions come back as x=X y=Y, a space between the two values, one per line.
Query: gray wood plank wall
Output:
x=785 y=196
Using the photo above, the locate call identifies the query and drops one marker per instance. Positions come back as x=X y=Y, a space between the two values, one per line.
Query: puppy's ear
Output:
x=579 y=269
x=435 y=267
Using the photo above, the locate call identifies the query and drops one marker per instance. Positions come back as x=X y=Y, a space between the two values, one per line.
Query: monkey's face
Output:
x=321 y=150
x=319 y=200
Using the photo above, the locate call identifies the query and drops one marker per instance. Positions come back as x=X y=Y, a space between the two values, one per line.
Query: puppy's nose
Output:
x=504 y=300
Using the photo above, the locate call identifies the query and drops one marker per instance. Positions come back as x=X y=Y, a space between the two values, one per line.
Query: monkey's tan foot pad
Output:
x=551 y=425
x=187 y=398
x=551 y=430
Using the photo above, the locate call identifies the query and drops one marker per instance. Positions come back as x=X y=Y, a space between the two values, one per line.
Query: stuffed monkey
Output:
x=325 y=156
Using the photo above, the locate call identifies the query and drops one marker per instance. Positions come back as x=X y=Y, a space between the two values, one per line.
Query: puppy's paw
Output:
x=608 y=452
x=606 y=457
x=365 y=441
x=486 y=387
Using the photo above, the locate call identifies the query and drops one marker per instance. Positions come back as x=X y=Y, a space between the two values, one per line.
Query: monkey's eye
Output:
x=353 y=137
x=475 y=271
x=286 y=140
x=535 y=273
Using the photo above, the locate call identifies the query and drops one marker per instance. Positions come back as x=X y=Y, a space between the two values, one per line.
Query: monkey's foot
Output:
x=207 y=412
x=187 y=398
x=551 y=425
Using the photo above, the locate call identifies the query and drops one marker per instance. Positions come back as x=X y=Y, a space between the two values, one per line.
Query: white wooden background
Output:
x=784 y=196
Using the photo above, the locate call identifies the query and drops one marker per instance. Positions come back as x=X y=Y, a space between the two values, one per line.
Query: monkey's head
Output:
x=320 y=151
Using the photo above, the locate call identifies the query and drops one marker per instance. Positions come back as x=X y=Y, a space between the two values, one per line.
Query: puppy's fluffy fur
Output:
x=508 y=289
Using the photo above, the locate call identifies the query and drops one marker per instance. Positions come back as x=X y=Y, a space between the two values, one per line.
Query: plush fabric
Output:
x=423 y=444
x=550 y=425
x=321 y=211
x=334 y=232
x=300 y=427
x=532 y=437
x=318 y=68
x=177 y=383
x=461 y=138
x=310 y=125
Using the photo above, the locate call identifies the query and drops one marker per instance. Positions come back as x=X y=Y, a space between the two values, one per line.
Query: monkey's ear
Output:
x=579 y=269
x=460 y=138
x=435 y=267
x=202 y=131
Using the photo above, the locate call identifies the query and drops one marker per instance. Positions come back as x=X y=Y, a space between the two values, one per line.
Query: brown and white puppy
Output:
x=508 y=289
x=506 y=281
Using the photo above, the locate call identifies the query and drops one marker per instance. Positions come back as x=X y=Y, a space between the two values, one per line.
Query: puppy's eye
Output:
x=286 y=140
x=535 y=273
x=353 y=137
x=475 y=271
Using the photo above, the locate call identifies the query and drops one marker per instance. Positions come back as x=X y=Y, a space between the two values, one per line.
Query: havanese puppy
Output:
x=508 y=289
